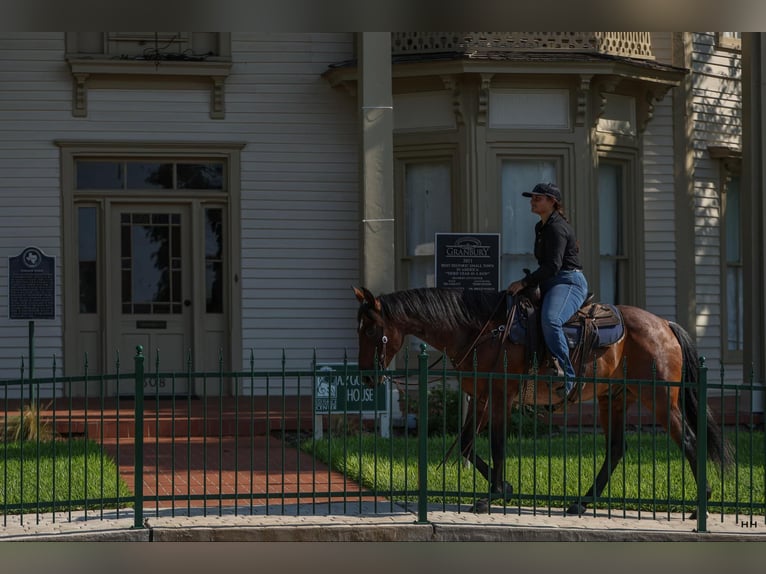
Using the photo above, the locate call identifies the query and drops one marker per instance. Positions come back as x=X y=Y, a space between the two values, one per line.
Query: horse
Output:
x=465 y=325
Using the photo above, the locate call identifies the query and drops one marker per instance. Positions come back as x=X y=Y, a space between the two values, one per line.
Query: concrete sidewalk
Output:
x=347 y=522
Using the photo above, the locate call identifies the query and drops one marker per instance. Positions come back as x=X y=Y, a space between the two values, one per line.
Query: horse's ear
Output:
x=365 y=295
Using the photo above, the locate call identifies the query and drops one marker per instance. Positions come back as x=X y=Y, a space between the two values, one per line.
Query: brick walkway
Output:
x=211 y=472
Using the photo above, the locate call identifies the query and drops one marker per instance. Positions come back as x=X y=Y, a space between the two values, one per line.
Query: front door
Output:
x=151 y=296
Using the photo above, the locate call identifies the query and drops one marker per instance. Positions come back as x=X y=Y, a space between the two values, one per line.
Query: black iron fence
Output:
x=257 y=442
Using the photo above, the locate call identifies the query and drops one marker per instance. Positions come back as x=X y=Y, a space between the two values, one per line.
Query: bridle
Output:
x=482 y=336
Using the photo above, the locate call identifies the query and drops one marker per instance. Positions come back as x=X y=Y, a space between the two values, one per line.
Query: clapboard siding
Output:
x=717 y=120
x=299 y=198
x=658 y=193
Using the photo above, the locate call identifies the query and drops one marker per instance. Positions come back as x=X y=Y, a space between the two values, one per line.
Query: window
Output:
x=612 y=257
x=137 y=175
x=729 y=40
x=427 y=210
x=517 y=221
x=732 y=289
x=87 y=257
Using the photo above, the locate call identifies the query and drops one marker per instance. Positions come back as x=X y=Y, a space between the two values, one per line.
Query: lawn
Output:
x=652 y=476
x=76 y=474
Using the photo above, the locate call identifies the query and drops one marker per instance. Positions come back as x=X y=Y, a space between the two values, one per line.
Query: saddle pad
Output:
x=607 y=325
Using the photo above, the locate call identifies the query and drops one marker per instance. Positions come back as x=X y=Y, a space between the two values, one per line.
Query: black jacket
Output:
x=556 y=249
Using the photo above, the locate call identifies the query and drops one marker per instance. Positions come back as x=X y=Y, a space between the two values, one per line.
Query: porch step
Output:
x=219 y=417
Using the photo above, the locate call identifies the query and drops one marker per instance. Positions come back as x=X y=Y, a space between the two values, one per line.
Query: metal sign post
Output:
x=31 y=294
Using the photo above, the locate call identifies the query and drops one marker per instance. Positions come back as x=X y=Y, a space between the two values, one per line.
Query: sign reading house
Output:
x=337 y=389
x=468 y=261
x=31 y=285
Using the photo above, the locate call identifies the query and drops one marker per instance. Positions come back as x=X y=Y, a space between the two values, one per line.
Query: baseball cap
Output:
x=549 y=189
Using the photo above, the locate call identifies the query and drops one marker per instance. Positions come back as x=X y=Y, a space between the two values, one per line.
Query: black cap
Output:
x=549 y=189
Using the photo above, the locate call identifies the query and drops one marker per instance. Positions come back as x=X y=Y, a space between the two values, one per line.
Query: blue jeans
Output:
x=563 y=294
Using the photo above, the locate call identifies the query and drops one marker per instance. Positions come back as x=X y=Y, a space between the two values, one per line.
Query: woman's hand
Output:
x=515 y=287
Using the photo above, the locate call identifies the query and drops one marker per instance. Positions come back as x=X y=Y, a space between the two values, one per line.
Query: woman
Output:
x=562 y=283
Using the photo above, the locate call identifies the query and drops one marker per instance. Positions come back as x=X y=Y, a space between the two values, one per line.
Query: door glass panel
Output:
x=87 y=251
x=151 y=263
x=214 y=260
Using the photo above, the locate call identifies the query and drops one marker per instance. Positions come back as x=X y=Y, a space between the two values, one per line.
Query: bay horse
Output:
x=459 y=323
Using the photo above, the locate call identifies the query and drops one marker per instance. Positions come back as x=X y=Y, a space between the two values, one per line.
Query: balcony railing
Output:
x=626 y=44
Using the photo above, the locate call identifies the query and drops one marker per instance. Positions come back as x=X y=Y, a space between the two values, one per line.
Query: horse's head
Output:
x=378 y=341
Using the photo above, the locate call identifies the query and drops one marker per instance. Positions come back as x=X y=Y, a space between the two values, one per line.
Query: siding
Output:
x=717 y=121
x=659 y=206
x=299 y=202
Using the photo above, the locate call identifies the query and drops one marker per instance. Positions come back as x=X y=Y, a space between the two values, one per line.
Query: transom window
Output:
x=135 y=175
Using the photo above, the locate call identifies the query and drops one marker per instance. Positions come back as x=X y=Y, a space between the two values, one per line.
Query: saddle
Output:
x=593 y=326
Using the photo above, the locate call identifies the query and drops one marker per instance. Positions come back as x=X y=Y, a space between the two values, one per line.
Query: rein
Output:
x=476 y=341
x=482 y=333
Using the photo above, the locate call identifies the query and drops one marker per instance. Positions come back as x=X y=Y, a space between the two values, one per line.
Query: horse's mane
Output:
x=449 y=308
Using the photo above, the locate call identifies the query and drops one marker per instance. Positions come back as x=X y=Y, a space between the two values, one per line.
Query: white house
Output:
x=212 y=195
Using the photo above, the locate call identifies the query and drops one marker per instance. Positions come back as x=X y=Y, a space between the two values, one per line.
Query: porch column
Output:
x=378 y=261
x=753 y=205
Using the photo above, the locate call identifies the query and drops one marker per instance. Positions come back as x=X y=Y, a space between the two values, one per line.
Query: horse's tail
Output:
x=717 y=449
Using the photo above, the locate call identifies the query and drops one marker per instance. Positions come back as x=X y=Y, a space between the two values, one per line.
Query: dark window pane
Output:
x=214 y=287
x=150 y=175
x=99 y=175
x=200 y=175
x=87 y=240
x=176 y=286
x=213 y=233
x=150 y=263
x=88 y=292
x=126 y=290
x=214 y=260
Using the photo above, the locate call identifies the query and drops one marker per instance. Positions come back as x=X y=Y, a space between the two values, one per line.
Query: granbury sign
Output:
x=337 y=389
x=31 y=285
x=468 y=261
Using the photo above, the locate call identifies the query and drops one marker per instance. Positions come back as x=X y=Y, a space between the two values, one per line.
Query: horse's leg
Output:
x=684 y=436
x=498 y=488
x=614 y=436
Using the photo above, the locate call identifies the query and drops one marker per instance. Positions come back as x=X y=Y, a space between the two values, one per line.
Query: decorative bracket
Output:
x=457 y=107
x=605 y=85
x=147 y=73
x=582 y=100
x=79 y=95
x=483 y=110
x=645 y=105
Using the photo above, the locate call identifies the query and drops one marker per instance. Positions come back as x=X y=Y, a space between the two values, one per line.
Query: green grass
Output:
x=35 y=475
x=652 y=476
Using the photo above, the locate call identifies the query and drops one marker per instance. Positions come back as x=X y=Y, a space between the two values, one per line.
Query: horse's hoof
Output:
x=693 y=515
x=481 y=506
x=576 y=509
x=505 y=495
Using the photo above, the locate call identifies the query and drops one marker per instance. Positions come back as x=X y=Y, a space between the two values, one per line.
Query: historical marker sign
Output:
x=337 y=389
x=31 y=285
x=468 y=261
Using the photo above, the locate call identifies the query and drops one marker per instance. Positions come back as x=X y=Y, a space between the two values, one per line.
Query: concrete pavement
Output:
x=365 y=522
